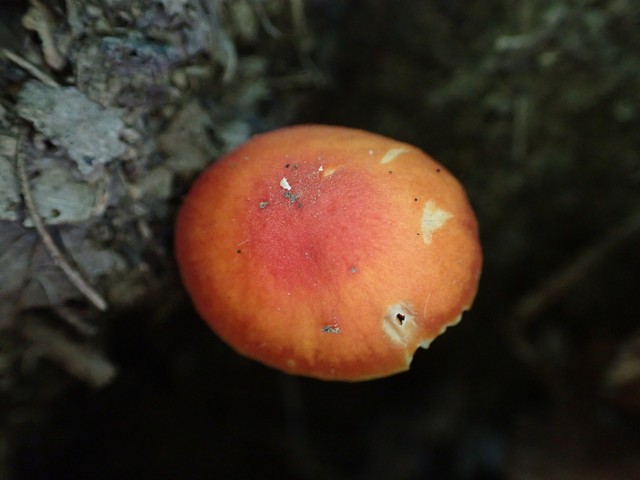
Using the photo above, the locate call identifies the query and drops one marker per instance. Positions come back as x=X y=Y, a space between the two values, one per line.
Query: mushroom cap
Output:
x=328 y=252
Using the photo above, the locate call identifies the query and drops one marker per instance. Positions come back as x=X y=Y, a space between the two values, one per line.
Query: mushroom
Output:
x=328 y=252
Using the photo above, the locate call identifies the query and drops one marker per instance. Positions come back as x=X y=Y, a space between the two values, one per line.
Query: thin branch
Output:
x=545 y=295
x=265 y=21
x=221 y=47
x=56 y=255
x=80 y=360
x=29 y=67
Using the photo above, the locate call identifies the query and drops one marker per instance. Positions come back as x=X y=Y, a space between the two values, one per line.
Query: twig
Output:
x=56 y=255
x=29 y=67
x=79 y=360
x=73 y=18
x=40 y=20
x=265 y=21
x=221 y=46
x=624 y=370
x=303 y=34
x=531 y=305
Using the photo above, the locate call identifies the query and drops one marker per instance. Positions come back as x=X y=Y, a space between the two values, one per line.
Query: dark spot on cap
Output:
x=330 y=329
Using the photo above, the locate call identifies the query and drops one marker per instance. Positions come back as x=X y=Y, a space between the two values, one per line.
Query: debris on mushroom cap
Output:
x=328 y=252
x=285 y=184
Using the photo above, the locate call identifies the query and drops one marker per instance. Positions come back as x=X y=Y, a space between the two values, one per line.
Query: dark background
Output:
x=533 y=105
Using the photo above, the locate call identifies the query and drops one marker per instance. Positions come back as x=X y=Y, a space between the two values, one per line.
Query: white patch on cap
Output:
x=326 y=172
x=399 y=322
x=284 y=184
x=391 y=154
x=432 y=219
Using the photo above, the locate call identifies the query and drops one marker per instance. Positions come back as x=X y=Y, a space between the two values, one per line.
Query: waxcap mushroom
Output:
x=328 y=252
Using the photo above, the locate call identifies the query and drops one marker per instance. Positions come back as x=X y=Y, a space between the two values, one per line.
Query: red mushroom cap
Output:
x=328 y=252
